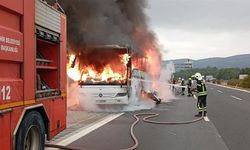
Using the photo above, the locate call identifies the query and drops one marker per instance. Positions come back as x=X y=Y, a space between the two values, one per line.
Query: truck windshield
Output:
x=104 y=66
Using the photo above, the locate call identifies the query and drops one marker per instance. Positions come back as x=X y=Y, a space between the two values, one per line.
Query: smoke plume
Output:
x=104 y=22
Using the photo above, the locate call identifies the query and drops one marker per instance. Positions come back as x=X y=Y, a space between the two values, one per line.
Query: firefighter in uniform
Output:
x=189 y=87
x=201 y=96
x=183 y=88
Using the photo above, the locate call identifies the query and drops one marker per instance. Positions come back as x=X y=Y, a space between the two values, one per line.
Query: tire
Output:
x=31 y=133
x=158 y=101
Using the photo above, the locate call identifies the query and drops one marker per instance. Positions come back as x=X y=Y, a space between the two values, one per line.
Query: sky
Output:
x=199 y=29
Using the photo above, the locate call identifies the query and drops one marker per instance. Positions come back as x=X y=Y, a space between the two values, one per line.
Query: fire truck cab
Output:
x=32 y=73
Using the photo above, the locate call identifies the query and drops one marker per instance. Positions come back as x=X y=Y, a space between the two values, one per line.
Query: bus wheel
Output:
x=31 y=133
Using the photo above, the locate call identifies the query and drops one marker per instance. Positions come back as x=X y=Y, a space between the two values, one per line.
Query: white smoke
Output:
x=77 y=100
x=136 y=101
x=72 y=92
x=163 y=85
x=83 y=101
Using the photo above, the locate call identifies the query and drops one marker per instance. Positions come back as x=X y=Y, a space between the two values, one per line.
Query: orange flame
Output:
x=125 y=58
x=89 y=73
x=73 y=73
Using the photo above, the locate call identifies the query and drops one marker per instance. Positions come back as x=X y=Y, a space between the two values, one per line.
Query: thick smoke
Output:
x=104 y=22
x=107 y=22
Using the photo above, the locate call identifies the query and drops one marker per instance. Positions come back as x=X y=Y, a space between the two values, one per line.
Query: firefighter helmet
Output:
x=198 y=76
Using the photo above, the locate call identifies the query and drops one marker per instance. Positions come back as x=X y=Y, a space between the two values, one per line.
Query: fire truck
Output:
x=32 y=73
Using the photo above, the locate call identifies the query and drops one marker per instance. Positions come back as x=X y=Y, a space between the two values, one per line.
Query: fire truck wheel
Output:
x=31 y=133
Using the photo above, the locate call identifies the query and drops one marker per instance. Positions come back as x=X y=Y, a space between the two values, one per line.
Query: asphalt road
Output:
x=229 y=110
x=228 y=128
x=196 y=136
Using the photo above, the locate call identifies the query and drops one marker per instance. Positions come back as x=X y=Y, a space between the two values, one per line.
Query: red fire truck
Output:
x=32 y=73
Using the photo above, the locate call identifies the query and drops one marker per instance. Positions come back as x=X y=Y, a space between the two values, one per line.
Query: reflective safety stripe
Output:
x=205 y=109
x=200 y=109
x=63 y=94
x=202 y=93
x=16 y=104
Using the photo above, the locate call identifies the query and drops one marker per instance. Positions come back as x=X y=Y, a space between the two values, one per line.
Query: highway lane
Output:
x=228 y=128
x=229 y=110
x=196 y=136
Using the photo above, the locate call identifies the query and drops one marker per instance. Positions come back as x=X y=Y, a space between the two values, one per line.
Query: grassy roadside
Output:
x=223 y=83
x=237 y=87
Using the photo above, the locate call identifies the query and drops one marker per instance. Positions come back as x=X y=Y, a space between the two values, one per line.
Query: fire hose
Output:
x=137 y=119
x=146 y=119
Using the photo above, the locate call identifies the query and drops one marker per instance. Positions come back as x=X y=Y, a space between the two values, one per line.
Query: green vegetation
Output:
x=230 y=75
x=245 y=83
x=233 y=82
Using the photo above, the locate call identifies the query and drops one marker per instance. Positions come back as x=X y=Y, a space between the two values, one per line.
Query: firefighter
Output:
x=202 y=95
x=183 y=84
x=189 y=87
x=173 y=87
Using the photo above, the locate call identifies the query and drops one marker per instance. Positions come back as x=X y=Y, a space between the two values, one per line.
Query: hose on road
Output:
x=146 y=119
x=137 y=119
x=61 y=147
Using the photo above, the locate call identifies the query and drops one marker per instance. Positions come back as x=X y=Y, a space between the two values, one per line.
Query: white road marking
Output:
x=236 y=98
x=171 y=133
x=206 y=119
x=219 y=91
x=86 y=131
x=230 y=87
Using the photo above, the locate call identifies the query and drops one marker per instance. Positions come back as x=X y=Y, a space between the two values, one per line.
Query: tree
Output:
x=224 y=73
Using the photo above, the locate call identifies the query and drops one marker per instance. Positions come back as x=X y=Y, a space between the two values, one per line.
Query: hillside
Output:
x=237 y=61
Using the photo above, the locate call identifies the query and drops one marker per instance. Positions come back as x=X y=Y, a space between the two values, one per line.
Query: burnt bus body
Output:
x=105 y=73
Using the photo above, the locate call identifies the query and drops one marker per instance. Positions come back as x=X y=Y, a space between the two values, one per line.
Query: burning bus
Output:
x=103 y=73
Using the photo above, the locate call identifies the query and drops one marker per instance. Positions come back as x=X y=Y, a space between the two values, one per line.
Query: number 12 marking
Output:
x=5 y=92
